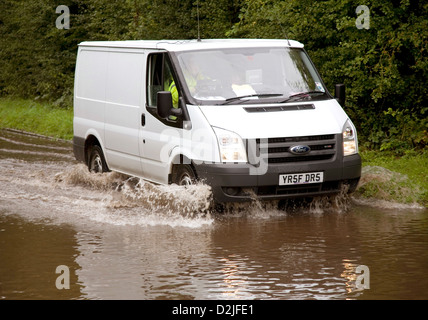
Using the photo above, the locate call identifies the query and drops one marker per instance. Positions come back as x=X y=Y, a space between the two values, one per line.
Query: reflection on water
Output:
x=122 y=238
x=350 y=275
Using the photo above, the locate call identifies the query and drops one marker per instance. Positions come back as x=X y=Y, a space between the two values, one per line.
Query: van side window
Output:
x=160 y=78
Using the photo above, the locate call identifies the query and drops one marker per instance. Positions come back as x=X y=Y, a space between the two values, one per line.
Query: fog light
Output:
x=232 y=191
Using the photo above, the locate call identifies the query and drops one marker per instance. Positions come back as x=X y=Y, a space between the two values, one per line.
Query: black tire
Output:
x=96 y=160
x=183 y=175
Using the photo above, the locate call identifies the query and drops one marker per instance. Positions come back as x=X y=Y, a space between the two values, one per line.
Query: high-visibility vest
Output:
x=174 y=92
x=192 y=81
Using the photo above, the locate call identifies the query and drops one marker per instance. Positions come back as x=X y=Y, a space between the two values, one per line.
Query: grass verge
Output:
x=399 y=178
x=36 y=117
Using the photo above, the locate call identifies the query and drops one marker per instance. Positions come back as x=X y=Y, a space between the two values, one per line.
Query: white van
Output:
x=247 y=117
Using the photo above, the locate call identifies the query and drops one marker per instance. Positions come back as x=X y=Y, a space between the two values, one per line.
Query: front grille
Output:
x=277 y=150
x=301 y=139
x=300 y=158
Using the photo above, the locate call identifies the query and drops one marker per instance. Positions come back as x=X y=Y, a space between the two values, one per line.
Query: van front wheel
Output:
x=183 y=175
x=96 y=162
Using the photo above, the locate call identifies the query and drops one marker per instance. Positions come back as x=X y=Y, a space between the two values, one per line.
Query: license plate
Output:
x=300 y=178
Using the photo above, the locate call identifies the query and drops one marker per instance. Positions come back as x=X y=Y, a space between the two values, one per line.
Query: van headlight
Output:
x=232 y=148
x=350 y=143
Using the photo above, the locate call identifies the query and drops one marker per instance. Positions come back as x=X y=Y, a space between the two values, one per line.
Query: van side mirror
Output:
x=165 y=109
x=164 y=105
x=339 y=93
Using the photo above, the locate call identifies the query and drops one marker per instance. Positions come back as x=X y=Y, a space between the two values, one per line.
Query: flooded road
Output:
x=68 y=234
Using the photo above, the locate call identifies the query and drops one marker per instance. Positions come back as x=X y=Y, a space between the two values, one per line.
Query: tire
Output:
x=96 y=160
x=183 y=175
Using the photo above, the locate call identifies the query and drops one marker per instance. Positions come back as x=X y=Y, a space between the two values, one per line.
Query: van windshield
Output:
x=249 y=75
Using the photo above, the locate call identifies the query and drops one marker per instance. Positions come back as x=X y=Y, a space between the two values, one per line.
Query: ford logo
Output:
x=300 y=150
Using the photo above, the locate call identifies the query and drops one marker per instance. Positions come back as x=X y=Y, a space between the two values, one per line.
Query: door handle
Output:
x=143 y=120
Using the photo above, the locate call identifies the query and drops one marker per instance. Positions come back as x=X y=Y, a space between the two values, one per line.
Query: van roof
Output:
x=185 y=45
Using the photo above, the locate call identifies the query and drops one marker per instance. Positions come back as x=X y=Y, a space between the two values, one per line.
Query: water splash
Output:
x=338 y=203
x=134 y=199
x=188 y=201
x=125 y=192
x=79 y=175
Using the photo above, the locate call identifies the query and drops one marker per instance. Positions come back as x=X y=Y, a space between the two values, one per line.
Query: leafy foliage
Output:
x=384 y=67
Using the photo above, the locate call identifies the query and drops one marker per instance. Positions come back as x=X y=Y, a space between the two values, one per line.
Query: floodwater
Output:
x=68 y=234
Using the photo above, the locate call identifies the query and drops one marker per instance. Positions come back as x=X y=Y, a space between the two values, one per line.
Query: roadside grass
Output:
x=36 y=117
x=400 y=176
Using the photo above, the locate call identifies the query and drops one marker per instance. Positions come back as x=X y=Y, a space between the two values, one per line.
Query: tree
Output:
x=384 y=67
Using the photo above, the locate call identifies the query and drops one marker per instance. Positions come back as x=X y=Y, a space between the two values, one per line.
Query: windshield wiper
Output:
x=259 y=95
x=302 y=95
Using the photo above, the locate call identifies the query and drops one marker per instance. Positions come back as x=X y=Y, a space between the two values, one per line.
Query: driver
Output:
x=192 y=74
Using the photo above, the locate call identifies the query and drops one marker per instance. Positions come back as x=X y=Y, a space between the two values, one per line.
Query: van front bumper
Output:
x=243 y=182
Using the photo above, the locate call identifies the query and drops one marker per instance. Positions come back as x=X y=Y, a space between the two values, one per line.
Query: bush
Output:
x=384 y=67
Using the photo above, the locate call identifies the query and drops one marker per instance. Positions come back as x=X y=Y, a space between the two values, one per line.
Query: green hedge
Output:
x=384 y=67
